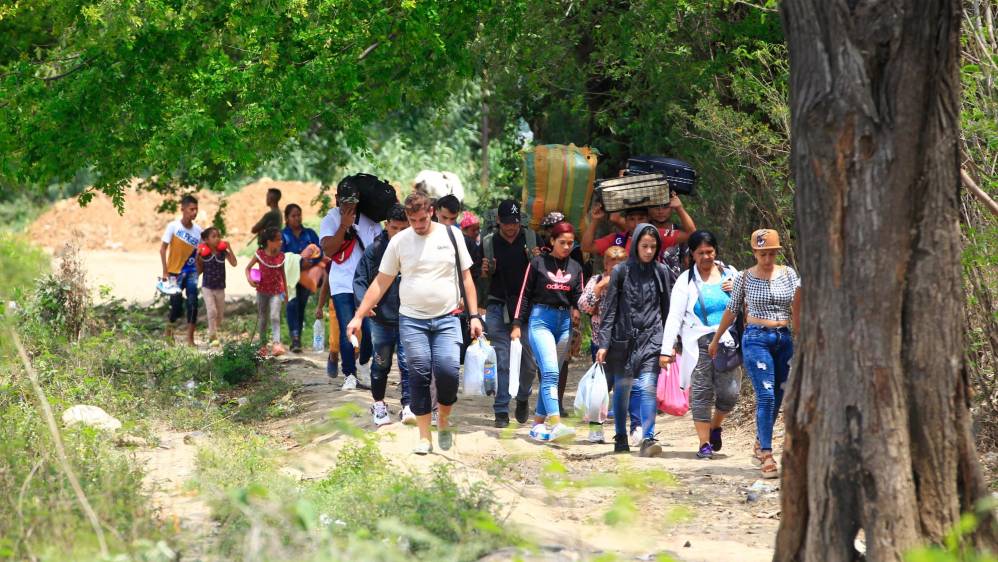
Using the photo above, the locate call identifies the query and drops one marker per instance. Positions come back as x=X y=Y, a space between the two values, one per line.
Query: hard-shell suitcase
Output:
x=682 y=177
x=628 y=192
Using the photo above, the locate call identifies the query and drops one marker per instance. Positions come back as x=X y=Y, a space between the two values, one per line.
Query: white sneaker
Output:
x=350 y=383
x=595 y=435
x=380 y=413
x=562 y=432
x=433 y=419
x=637 y=436
x=408 y=418
x=540 y=433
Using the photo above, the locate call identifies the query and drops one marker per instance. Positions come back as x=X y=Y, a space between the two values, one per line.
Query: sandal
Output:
x=757 y=456
x=769 y=468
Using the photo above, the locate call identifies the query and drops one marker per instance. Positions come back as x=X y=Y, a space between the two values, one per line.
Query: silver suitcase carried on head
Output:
x=628 y=192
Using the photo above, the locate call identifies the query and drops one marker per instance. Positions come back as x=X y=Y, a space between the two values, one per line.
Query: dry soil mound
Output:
x=98 y=226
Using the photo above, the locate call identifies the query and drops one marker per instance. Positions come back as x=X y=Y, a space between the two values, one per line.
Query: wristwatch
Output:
x=475 y=316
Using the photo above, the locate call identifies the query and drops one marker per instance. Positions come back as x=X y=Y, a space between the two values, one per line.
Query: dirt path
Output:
x=705 y=516
x=131 y=276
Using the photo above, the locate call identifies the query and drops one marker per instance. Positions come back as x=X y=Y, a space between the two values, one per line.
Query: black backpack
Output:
x=376 y=196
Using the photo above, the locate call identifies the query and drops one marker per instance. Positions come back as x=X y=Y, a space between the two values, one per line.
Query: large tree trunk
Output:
x=878 y=425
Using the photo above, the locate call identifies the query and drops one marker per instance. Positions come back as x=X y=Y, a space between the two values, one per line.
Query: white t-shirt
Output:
x=341 y=274
x=429 y=286
x=182 y=243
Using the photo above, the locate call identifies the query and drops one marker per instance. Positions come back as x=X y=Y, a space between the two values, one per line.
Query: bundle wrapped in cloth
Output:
x=558 y=178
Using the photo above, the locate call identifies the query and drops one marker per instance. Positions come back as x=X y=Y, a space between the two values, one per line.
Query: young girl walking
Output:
x=271 y=288
x=548 y=305
x=212 y=255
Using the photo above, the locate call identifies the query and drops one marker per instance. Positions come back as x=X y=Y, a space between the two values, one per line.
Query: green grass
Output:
x=365 y=509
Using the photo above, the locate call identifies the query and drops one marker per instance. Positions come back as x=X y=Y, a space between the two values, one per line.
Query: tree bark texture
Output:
x=878 y=427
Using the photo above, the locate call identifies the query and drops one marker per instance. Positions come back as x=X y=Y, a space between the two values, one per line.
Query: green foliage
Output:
x=237 y=362
x=202 y=92
x=42 y=518
x=957 y=547
x=21 y=263
x=365 y=505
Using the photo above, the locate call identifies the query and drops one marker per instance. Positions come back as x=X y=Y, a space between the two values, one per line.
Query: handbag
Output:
x=728 y=356
x=620 y=345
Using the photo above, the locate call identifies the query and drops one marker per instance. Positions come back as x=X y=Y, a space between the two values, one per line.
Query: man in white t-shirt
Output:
x=427 y=255
x=344 y=234
x=177 y=253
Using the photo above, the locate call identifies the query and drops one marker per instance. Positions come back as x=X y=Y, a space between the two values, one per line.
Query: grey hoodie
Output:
x=636 y=308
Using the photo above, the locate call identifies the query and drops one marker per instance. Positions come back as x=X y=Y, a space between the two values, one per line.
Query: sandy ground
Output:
x=131 y=276
x=704 y=516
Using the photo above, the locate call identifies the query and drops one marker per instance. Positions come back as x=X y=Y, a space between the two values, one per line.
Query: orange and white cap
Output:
x=765 y=239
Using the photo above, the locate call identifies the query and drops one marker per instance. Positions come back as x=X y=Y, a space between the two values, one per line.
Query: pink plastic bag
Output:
x=671 y=399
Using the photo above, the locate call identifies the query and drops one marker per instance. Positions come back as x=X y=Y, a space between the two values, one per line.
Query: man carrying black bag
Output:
x=508 y=251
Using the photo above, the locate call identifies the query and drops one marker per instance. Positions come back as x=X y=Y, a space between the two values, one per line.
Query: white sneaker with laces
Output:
x=408 y=418
x=350 y=383
x=562 y=432
x=540 y=432
x=380 y=412
x=595 y=435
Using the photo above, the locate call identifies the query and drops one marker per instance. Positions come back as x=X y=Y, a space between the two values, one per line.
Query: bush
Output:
x=21 y=263
x=366 y=509
x=62 y=299
x=237 y=362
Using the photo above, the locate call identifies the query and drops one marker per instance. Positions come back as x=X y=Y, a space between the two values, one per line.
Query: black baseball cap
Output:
x=509 y=212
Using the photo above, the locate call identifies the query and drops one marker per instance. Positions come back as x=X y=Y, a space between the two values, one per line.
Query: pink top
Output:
x=271 y=273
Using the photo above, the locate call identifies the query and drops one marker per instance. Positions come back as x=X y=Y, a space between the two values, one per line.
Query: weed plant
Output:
x=365 y=509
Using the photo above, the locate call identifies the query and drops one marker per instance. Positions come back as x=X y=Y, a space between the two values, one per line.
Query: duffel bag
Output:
x=376 y=196
x=628 y=192
x=682 y=177
x=558 y=178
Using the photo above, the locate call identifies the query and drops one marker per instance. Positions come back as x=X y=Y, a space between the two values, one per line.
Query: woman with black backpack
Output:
x=631 y=334
x=699 y=298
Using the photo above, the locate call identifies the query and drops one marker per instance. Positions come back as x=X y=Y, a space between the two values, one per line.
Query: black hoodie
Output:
x=549 y=281
x=637 y=304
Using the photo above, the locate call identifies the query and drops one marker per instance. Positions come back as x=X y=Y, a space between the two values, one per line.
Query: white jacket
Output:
x=685 y=324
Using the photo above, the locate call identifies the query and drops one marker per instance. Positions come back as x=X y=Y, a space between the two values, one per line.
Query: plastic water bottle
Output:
x=490 y=372
x=318 y=336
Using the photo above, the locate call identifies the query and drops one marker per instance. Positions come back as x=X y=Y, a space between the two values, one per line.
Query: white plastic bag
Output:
x=599 y=397
x=474 y=368
x=515 y=355
x=592 y=399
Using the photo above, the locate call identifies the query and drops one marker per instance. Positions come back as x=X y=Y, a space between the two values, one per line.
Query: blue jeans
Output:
x=432 y=351
x=624 y=393
x=345 y=309
x=188 y=283
x=766 y=353
x=386 y=341
x=550 y=332
x=296 y=310
x=498 y=331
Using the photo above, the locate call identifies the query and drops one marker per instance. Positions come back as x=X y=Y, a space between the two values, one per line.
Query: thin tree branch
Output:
x=984 y=198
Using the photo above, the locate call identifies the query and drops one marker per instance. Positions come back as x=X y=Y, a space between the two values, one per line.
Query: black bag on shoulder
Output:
x=465 y=316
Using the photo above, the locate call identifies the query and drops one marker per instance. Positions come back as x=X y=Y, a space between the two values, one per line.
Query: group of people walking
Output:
x=430 y=280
